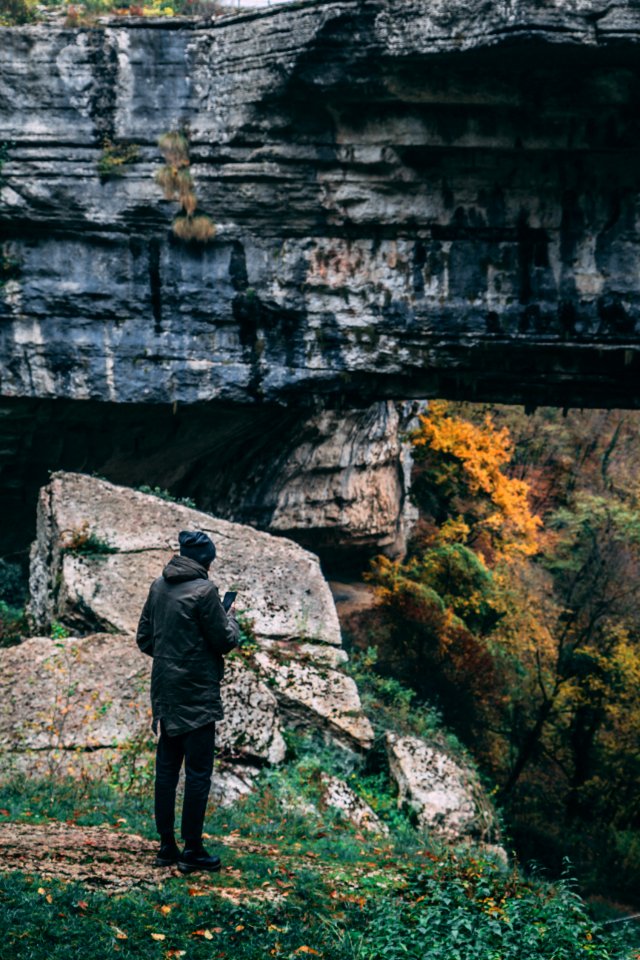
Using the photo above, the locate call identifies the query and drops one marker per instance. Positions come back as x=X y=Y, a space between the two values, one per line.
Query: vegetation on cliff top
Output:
x=86 y=12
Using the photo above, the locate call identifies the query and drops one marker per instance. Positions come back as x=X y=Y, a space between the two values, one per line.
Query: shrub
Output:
x=176 y=183
x=199 y=228
x=17 y=12
x=82 y=540
x=115 y=157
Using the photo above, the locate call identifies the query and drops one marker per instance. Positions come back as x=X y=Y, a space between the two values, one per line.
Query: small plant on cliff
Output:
x=16 y=12
x=115 y=157
x=163 y=494
x=177 y=184
x=83 y=540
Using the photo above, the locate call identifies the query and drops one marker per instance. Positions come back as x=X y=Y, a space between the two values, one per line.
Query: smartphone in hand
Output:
x=229 y=597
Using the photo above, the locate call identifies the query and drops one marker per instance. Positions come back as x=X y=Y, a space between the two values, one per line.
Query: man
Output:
x=186 y=630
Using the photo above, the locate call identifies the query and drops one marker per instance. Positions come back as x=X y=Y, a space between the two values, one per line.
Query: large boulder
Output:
x=280 y=585
x=444 y=794
x=98 y=548
x=90 y=696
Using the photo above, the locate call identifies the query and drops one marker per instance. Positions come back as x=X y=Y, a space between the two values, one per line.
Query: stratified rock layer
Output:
x=412 y=197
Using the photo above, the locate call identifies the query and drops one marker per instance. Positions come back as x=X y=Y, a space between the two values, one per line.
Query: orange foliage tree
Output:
x=464 y=464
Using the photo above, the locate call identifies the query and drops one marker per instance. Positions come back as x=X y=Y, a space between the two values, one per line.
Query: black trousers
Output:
x=196 y=749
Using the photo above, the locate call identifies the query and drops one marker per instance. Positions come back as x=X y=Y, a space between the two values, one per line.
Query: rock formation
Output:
x=334 y=481
x=444 y=794
x=80 y=704
x=411 y=198
x=280 y=586
x=81 y=701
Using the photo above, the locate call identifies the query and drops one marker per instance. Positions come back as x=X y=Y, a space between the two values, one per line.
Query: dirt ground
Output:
x=109 y=860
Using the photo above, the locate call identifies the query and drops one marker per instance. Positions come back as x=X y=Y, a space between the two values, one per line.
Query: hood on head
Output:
x=180 y=569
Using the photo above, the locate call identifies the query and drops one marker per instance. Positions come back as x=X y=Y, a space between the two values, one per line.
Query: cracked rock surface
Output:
x=82 y=704
x=444 y=793
x=280 y=585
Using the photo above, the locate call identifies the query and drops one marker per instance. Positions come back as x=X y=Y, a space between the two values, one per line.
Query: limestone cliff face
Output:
x=412 y=197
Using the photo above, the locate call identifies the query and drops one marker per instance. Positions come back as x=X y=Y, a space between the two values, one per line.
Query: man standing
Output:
x=186 y=630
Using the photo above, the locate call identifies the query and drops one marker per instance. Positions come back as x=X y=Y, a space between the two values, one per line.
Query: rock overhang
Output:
x=412 y=199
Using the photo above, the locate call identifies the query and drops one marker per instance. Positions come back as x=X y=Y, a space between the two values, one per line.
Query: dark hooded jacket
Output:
x=186 y=630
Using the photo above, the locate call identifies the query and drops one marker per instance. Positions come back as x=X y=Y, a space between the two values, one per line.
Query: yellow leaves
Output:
x=165 y=909
x=197 y=892
x=158 y=936
x=174 y=953
x=203 y=933
x=239 y=927
x=475 y=455
x=119 y=934
x=454 y=530
x=305 y=949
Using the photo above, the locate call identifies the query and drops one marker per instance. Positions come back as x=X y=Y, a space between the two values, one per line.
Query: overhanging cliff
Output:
x=411 y=198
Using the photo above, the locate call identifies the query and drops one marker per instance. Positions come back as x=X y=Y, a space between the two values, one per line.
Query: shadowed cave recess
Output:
x=411 y=200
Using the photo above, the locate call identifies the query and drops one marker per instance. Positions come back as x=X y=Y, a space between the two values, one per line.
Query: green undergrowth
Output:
x=313 y=885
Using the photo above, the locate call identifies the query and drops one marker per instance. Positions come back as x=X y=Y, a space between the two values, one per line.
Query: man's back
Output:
x=186 y=630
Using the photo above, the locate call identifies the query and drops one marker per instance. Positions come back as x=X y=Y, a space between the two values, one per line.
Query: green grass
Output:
x=348 y=896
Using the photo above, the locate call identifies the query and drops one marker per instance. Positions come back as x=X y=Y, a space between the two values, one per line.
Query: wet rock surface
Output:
x=411 y=198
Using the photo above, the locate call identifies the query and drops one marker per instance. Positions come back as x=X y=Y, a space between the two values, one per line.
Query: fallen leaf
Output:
x=239 y=927
x=175 y=953
x=5 y=813
x=49 y=898
x=82 y=904
x=165 y=909
x=203 y=933
x=306 y=949
x=158 y=936
x=41 y=891
x=120 y=934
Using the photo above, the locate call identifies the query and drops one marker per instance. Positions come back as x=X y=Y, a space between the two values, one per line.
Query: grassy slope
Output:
x=297 y=884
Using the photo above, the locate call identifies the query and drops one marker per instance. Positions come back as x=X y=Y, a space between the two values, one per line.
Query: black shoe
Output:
x=168 y=854
x=197 y=859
